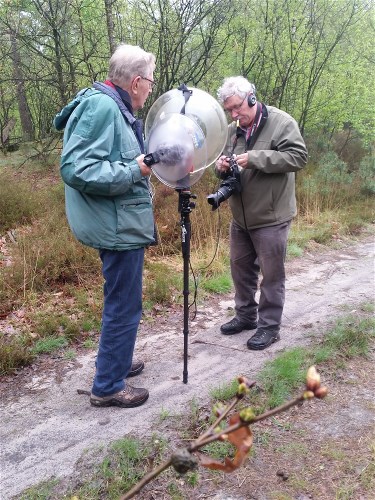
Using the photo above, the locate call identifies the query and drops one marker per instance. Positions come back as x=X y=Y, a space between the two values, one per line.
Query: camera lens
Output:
x=221 y=195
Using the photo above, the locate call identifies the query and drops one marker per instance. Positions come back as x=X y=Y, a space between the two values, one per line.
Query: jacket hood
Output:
x=62 y=118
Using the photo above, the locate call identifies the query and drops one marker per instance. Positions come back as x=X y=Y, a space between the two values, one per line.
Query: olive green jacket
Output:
x=268 y=182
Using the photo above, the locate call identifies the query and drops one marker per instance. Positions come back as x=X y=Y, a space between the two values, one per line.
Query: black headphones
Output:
x=251 y=100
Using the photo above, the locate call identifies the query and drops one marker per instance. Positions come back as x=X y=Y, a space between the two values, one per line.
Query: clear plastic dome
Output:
x=178 y=146
x=202 y=108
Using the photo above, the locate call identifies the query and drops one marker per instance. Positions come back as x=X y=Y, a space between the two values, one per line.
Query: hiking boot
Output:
x=262 y=339
x=128 y=398
x=136 y=368
x=235 y=325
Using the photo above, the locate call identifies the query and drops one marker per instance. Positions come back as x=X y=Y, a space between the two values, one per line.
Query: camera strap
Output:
x=259 y=122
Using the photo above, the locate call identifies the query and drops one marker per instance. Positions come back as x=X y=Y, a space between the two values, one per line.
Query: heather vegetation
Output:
x=313 y=59
x=55 y=283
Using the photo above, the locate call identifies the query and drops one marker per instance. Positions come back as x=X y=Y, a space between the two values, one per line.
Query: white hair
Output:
x=235 y=85
x=129 y=61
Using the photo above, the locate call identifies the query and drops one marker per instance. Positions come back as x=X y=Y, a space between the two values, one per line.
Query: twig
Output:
x=215 y=424
x=313 y=389
x=209 y=439
x=221 y=417
x=146 y=479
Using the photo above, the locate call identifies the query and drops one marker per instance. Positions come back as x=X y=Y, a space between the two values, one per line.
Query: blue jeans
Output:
x=122 y=271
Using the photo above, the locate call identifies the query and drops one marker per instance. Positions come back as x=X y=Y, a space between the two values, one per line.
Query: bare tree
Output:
x=110 y=24
x=23 y=107
x=184 y=34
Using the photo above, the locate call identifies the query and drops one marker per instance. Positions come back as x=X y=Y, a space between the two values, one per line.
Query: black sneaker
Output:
x=136 y=368
x=235 y=325
x=262 y=339
x=128 y=398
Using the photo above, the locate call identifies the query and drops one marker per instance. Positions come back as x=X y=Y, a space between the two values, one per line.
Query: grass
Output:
x=126 y=462
x=70 y=354
x=89 y=344
x=352 y=336
x=164 y=414
x=224 y=392
x=280 y=377
x=49 y=344
x=218 y=284
x=118 y=471
x=41 y=492
x=367 y=474
x=218 y=450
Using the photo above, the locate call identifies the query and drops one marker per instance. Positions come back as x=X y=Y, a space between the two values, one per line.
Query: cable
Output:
x=194 y=302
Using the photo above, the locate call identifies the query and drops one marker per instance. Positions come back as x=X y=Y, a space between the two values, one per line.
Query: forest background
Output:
x=312 y=58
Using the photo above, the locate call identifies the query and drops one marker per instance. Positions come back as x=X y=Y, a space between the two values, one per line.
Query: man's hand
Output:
x=145 y=170
x=242 y=160
x=222 y=164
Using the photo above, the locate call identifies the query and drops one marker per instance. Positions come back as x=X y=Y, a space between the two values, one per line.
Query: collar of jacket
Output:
x=123 y=94
x=111 y=91
x=263 y=115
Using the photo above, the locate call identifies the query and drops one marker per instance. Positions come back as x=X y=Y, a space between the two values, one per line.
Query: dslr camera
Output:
x=230 y=184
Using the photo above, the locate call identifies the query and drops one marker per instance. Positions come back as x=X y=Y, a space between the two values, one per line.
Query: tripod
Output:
x=185 y=206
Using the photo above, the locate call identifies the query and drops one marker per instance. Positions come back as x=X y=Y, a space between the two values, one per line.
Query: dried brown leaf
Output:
x=242 y=439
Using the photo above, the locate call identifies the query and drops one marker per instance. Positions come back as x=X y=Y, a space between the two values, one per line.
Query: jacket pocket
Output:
x=130 y=154
x=135 y=223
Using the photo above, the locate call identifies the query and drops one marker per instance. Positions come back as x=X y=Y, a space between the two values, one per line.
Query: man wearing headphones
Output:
x=269 y=149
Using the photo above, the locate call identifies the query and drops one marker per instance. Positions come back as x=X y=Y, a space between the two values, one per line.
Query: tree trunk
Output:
x=28 y=133
x=110 y=24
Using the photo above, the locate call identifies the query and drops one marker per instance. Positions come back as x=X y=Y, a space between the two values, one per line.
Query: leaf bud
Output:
x=242 y=390
x=308 y=395
x=246 y=381
x=321 y=392
x=218 y=409
x=247 y=415
x=312 y=379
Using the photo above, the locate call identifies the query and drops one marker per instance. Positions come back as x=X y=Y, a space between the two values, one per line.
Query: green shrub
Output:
x=19 y=204
x=160 y=283
x=366 y=173
x=14 y=353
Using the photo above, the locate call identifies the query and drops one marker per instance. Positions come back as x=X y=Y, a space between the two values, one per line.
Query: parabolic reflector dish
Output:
x=202 y=109
x=178 y=147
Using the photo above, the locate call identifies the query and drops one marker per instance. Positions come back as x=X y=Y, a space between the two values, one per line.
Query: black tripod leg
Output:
x=185 y=233
x=185 y=206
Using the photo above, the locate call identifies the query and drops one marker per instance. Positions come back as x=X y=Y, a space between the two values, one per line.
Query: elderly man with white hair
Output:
x=268 y=148
x=108 y=206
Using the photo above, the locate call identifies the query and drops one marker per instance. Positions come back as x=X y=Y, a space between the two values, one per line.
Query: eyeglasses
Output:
x=236 y=108
x=152 y=82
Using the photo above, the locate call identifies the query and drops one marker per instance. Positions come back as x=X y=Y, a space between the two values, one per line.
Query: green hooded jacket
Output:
x=108 y=204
